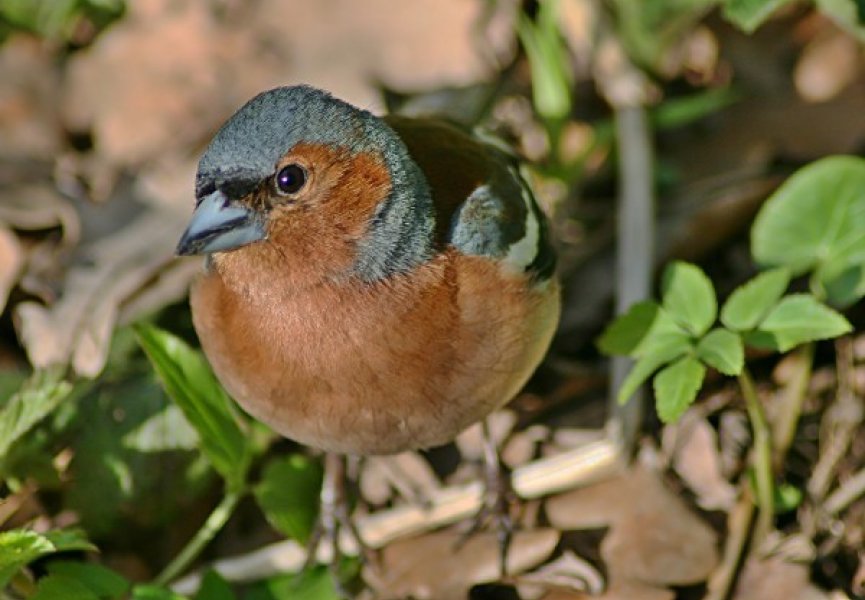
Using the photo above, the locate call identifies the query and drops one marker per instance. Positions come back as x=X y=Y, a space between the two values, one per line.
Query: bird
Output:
x=371 y=285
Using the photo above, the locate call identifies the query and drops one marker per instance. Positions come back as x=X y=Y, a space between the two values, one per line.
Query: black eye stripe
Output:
x=290 y=179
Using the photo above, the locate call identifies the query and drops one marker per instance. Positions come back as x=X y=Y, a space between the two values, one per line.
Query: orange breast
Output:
x=378 y=368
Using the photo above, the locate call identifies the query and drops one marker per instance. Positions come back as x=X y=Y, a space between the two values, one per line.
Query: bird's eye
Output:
x=290 y=179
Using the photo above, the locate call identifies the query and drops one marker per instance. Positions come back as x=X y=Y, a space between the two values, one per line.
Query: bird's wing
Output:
x=483 y=206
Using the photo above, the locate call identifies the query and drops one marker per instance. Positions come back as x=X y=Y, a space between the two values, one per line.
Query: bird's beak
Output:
x=218 y=225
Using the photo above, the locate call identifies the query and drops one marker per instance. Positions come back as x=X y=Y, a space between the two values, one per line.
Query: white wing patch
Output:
x=524 y=251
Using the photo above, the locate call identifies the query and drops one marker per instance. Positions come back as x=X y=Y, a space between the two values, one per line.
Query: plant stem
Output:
x=791 y=403
x=209 y=529
x=762 y=458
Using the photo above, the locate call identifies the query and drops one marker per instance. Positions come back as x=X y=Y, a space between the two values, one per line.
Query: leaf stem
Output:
x=792 y=400
x=764 y=479
x=203 y=536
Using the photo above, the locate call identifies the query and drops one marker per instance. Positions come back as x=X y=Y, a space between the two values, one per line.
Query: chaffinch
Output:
x=372 y=285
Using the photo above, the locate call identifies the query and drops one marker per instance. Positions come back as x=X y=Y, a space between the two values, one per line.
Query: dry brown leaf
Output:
x=408 y=473
x=568 y=572
x=693 y=446
x=348 y=49
x=11 y=262
x=33 y=206
x=29 y=123
x=617 y=590
x=141 y=106
x=827 y=65
x=77 y=328
x=776 y=579
x=433 y=566
x=654 y=538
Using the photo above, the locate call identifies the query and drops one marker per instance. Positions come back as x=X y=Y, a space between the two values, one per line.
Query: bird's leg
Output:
x=497 y=498
x=334 y=515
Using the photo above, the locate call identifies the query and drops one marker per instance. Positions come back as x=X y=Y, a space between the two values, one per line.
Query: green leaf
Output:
x=752 y=301
x=214 y=587
x=748 y=15
x=191 y=384
x=154 y=592
x=672 y=348
x=311 y=584
x=816 y=222
x=622 y=336
x=689 y=297
x=676 y=387
x=19 y=547
x=288 y=494
x=42 y=393
x=63 y=587
x=101 y=581
x=800 y=318
x=723 y=350
x=548 y=61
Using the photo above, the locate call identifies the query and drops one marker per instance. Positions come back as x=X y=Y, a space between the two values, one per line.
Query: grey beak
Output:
x=218 y=225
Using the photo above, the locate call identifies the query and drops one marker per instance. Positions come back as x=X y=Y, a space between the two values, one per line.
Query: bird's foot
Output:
x=498 y=498
x=334 y=517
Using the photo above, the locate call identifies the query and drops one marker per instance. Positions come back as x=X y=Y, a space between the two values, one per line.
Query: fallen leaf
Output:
x=434 y=566
x=617 y=590
x=828 y=64
x=11 y=263
x=568 y=572
x=29 y=121
x=653 y=538
x=693 y=445
x=776 y=579
x=123 y=90
x=408 y=473
x=76 y=329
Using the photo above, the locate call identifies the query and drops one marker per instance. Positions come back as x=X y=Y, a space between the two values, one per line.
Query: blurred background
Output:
x=106 y=105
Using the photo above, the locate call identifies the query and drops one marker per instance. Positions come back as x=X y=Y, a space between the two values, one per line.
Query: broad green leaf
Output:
x=214 y=587
x=42 y=393
x=723 y=350
x=752 y=301
x=674 y=347
x=748 y=15
x=191 y=384
x=689 y=297
x=624 y=334
x=102 y=581
x=800 y=318
x=816 y=222
x=19 y=547
x=288 y=494
x=63 y=587
x=676 y=387
x=154 y=592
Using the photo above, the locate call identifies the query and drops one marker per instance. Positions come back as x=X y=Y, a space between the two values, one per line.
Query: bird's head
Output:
x=326 y=189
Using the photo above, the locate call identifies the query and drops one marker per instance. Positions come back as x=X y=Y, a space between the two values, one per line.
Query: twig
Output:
x=762 y=459
x=449 y=505
x=846 y=494
x=739 y=524
x=840 y=422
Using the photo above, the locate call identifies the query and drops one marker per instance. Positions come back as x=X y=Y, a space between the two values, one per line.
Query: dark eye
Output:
x=290 y=179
